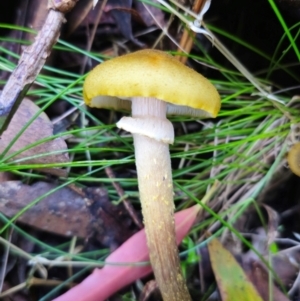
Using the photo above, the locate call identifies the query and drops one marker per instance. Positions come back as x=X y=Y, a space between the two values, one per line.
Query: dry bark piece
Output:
x=40 y=128
x=66 y=212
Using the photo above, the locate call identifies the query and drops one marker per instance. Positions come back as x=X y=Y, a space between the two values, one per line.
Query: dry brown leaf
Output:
x=39 y=129
x=63 y=212
x=260 y=278
x=67 y=212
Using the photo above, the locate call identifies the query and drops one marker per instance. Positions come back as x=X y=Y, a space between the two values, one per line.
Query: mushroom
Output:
x=154 y=84
x=293 y=159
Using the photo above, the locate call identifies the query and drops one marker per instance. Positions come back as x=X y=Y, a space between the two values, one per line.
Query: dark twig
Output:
x=109 y=172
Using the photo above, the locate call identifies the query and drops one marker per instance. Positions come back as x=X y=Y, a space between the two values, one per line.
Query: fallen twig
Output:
x=32 y=60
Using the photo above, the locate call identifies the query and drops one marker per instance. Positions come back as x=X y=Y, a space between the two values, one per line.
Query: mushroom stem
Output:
x=156 y=193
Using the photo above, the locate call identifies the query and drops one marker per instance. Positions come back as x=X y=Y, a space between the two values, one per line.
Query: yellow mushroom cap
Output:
x=293 y=159
x=152 y=73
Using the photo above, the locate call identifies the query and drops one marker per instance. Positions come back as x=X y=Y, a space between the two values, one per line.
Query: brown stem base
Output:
x=156 y=194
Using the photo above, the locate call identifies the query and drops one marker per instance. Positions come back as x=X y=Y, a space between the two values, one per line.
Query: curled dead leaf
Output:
x=50 y=151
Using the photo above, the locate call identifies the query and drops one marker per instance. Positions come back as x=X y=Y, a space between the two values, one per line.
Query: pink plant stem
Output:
x=103 y=283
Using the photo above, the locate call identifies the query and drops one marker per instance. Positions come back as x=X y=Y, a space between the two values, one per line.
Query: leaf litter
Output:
x=27 y=148
x=229 y=192
x=86 y=213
